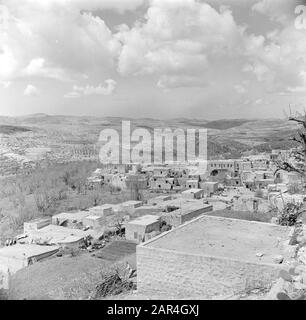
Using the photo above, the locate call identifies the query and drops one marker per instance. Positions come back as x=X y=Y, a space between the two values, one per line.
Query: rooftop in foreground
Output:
x=224 y=237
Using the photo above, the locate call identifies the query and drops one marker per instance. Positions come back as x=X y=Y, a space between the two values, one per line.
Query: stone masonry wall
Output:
x=195 y=213
x=175 y=218
x=170 y=274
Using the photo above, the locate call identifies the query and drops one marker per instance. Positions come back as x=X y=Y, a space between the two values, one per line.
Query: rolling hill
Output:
x=62 y=138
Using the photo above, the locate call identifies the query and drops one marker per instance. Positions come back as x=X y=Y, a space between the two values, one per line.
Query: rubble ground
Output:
x=65 y=277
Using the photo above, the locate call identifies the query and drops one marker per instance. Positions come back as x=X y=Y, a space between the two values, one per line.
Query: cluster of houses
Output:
x=187 y=191
x=139 y=221
x=250 y=183
x=253 y=172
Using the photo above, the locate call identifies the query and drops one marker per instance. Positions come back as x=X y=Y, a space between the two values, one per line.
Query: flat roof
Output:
x=224 y=237
x=160 y=197
x=178 y=201
x=42 y=219
x=102 y=206
x=72 y=215
x=210 y=182
x=192 y=208
x=56 y=234
x=20 y=251
x=145 y=220
x=130 y=202
x=193 y=190
x=222 y=160
x=93 y=217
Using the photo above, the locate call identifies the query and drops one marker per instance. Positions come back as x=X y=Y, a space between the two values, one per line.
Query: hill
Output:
x=7 y=129
x=26 y=140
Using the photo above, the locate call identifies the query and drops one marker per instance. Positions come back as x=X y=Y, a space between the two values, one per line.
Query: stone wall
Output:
x=141 y=230
x=172 y=274
x=187 y=216
x=176 y=218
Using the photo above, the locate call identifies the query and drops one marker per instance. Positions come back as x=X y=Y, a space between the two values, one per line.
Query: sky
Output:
x=152 y=58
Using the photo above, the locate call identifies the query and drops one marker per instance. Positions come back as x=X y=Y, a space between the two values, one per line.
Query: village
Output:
x=196 y=222
x=152 y=150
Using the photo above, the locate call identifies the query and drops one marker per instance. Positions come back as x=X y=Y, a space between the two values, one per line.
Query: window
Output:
x=135 y=235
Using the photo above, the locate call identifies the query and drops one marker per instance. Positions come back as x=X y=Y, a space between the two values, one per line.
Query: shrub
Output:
x=113 y=284
x=3 y=295
x=294 y=188
x=165 y=226
x=24 y=214
x=289 y=214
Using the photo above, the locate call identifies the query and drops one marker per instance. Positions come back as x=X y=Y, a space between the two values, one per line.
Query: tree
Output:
x=296 y=161
x=290 y=214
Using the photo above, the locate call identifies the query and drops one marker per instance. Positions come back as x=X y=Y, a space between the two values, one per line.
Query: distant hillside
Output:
x=7 y=129
x=74 y=138
x=225 y=124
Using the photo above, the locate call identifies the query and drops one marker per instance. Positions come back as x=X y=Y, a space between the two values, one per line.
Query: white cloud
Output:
x=72 y=94
x=175 y=44
x=276 y=10
x=79 y=91
x=8 y=63
x=240 y=89
x=183 y=37
x=183 y=40
x=260 y=70
x=31 y=91
x=66 y=43
x=118 y=5
x=5 y=84
x=297 y=89
x=178 y=81
x=37 y=68
x=280 y=61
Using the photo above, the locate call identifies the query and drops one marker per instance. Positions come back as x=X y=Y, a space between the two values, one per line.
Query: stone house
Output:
x=233 y=181
x=210 y=257
x=181 y=215
x=137 y=229
x=192 y=184
x=251 y=204
x=104 y=210
x=209 y=187
x=193 y=194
